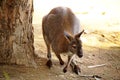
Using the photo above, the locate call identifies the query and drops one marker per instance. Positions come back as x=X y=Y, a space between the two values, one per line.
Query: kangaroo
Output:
x=61 y=33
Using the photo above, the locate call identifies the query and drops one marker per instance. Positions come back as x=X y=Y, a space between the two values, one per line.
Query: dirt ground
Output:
x=99 y=48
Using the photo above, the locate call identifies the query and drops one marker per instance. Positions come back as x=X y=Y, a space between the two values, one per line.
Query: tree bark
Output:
x=16 y=32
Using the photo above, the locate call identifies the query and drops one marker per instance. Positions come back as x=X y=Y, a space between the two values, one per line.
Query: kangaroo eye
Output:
x=74 y=46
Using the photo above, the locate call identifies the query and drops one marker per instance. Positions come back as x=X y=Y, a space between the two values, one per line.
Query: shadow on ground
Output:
x=104 y=52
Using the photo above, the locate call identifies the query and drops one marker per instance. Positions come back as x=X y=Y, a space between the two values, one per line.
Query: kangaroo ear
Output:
x=79 y=34
x=68 y=36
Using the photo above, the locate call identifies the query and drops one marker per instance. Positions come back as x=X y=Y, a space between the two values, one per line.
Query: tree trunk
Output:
x=16 y=32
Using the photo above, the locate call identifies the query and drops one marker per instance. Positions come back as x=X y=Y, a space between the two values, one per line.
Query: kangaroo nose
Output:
x=80 y=55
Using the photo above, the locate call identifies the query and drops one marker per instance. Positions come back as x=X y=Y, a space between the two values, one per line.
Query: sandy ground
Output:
x=101 y=45
x=99 y=48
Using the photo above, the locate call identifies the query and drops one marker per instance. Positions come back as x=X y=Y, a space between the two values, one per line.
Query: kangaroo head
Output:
x=75 y=44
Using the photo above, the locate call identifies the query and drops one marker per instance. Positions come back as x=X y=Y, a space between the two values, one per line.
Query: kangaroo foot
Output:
x=76 y=69
x=49 y=63
x=62 y=63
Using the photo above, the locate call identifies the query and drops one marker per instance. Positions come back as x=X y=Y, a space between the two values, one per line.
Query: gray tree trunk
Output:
x=16 y=32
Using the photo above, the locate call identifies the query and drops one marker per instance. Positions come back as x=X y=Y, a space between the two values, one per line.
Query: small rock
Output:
x=93 y=55
x=62 y=76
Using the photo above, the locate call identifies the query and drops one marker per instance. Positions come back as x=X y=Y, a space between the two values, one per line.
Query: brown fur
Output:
x=61 y=32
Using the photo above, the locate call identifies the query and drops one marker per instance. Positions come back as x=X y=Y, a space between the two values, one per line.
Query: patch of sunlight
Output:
x=94 y=41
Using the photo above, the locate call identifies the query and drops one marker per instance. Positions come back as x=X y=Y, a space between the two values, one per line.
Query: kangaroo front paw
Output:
x=49 y=63
x=65 y=70
x=61 y=63
x=77 y=69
